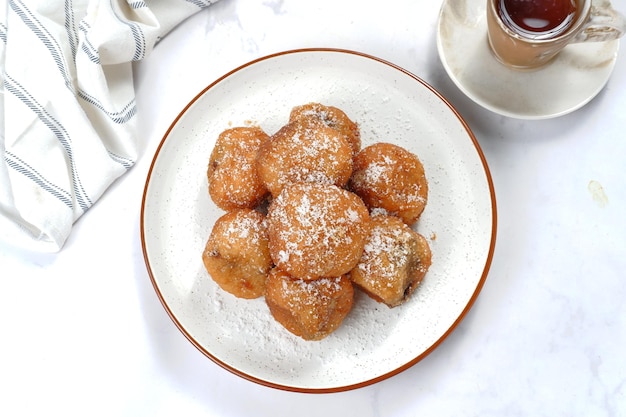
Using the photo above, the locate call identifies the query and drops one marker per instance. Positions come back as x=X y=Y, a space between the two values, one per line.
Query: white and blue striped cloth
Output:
x=67 y=106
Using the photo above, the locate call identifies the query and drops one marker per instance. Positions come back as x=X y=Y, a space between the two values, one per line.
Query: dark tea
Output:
x=537 y=19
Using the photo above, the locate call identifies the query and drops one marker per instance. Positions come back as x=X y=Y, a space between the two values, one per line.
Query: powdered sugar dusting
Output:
x=232 y=174
x=313 y=225
x=374 y=173
x=389 y=176
x=307 y=293
x=244 y=228
x=385 y=253
x=305 y=151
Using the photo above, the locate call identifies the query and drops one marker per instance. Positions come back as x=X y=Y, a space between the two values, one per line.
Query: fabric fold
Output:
x=67 y=106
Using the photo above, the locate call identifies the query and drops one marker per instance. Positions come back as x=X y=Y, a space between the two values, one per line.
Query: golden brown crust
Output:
x=237 y=255
x=316 y=230
x=309 y=309
x=394 y=261
x=338 y=217
x=304 y=150
x=233 y=179
x=390 y=178
x=332 y=117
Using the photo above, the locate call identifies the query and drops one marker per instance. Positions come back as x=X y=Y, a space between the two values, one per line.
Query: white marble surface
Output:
x=83 y=332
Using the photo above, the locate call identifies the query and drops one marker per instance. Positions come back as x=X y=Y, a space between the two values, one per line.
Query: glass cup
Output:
x=520 y=48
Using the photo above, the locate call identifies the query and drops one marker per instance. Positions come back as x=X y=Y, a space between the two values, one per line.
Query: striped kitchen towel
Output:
x=67 y=106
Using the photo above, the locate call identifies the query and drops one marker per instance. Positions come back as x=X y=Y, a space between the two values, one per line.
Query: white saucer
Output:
x=569 y=82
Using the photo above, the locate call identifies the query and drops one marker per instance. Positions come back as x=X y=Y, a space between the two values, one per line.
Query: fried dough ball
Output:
x=394 y=261
x=237 y=255
x=309 y=309
x=233 y=179
x=389 y=177
x=331 y=117
x=316 y=230
x=305 y=150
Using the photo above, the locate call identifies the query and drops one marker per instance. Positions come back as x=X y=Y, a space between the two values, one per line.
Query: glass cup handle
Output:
x=604 y=23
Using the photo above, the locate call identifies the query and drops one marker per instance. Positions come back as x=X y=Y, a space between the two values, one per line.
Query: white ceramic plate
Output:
x=374 y=342
x=569 y=82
